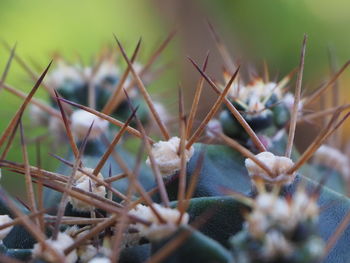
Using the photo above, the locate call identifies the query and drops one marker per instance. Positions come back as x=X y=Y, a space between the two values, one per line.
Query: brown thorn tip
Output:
x=8 y=64
x=196 y=98
x=13 y=122
x=67 y=127
x=145 y=94
x=294 y=114
x=213 y=110
x=114 y=143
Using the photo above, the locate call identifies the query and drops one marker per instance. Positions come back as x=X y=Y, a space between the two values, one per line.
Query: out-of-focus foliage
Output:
x=273 y=30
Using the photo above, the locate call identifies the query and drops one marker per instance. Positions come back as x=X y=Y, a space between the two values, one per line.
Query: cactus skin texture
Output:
x=212 y=209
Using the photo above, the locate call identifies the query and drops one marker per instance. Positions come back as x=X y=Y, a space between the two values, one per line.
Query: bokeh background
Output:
x=254 y=30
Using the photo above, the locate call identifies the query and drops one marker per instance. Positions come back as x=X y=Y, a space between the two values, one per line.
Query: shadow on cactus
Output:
x=227 y=190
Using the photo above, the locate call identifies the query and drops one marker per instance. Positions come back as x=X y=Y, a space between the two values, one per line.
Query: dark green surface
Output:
x=196 y=248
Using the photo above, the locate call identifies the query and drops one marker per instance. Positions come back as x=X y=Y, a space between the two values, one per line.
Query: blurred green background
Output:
x=273 y=30
x=253 y=30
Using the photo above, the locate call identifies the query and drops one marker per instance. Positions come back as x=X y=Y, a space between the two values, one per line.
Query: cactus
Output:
x=232 y=190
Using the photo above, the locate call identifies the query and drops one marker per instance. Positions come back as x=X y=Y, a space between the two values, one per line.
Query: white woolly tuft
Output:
x=288 y=100
x=158 y=230
x=100 y=260
x=62 y=242
x=4 y=219
x=279 y=165
x=83 y=182
x=267 y=158
x=333 y=158
x=257 y=89
x=81 y=122
x=303 y=207
x=166 y=155
x=65 y=73
x=106 y=69
x=257 y=93
x=276 y=244
x=256 y=106
x=86 y=253
x=213 y=128
x=270 y=210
